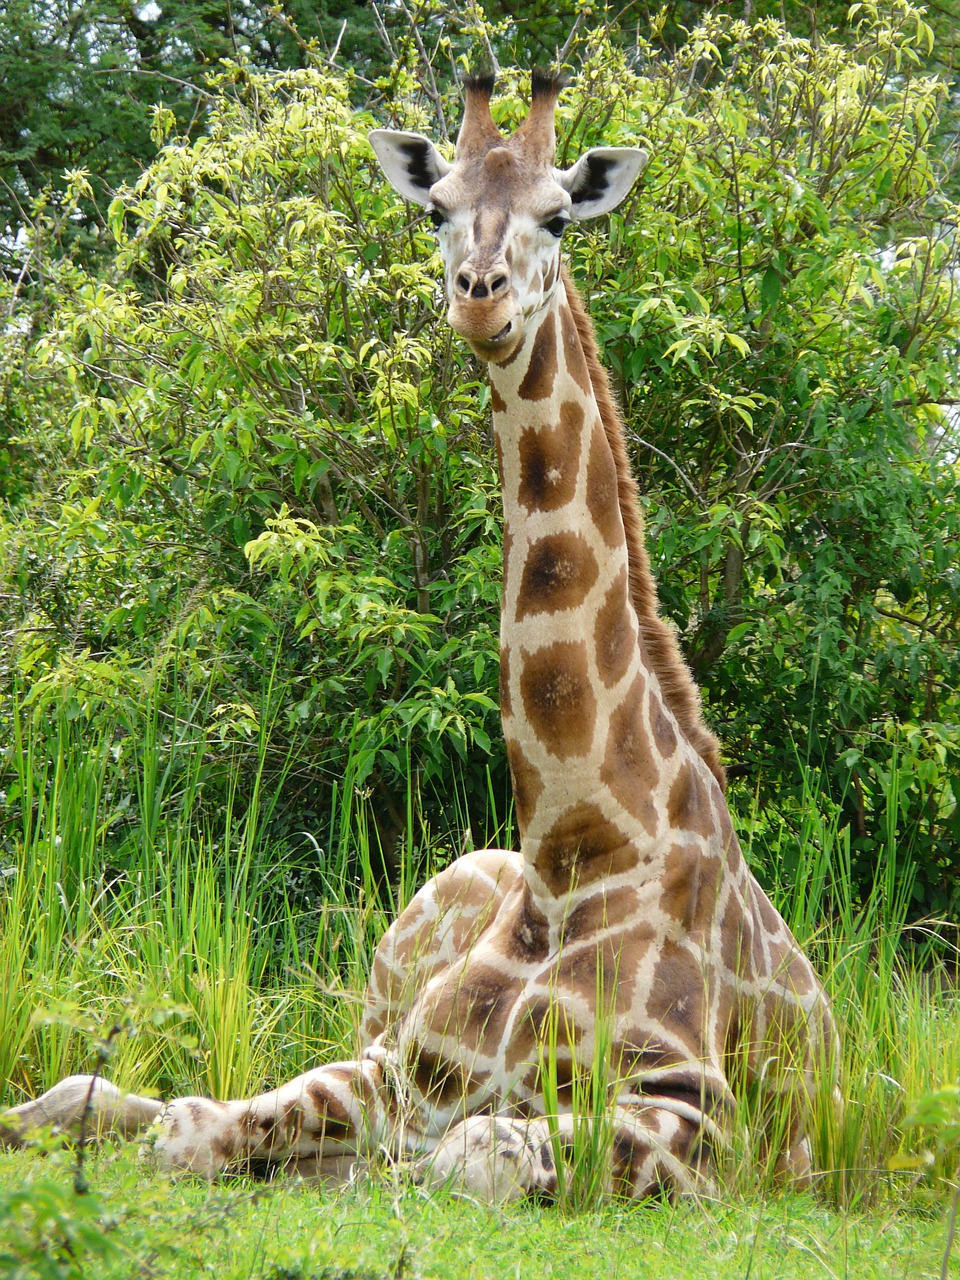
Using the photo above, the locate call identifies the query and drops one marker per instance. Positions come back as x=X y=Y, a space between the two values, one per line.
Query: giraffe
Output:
x=627 y=935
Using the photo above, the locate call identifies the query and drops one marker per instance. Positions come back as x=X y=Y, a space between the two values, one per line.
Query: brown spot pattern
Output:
x=549 y=461
x=628 y=768
x=625 y=1153
x=484 y=1001
x=603 y=493
x=498 y=449
x=438 y=1079
x=521 y=345
x=335 y=1130
x=573 y=357
x=582 y=847
x=521 y=1048
x=508 y=559
x=644 y=1053
x=735 y=942
x=497 y=401
x=527 y=784
x=735 y=862
x=614 y=638
x=557 y=698
x=688 y=807
x=603 y=971
x=676 y=998
x=664 y=733
x=769 y=917
x=559 y=571
x=326 y=1104
x=727 y=834
x=506 y=707
x=800 y=977
x=601 y=911
x=527 y=931
x=541 y=372
x=781 y=959
x=223 y=1148
x=680 y=883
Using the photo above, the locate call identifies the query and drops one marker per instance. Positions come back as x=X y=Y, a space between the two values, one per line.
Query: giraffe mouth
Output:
x=498 y=346
x=475 y=322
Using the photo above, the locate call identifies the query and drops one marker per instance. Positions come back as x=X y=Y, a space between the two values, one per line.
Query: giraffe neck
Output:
x=594 y=742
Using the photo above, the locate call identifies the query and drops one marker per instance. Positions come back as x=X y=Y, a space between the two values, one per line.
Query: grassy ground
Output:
x=189 y=958
x=186 y=1229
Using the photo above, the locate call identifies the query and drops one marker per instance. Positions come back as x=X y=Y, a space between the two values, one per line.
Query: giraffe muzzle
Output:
x=492 y=331
x=483 y=305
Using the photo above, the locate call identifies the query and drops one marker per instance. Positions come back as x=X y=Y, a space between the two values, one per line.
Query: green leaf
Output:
x=771 y=287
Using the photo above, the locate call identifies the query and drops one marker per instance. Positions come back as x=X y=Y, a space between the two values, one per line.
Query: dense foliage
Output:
x=784 y=328
x=251 y=480
x=79 y=82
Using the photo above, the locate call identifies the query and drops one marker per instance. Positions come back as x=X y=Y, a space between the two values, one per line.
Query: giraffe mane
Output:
x=659 y=640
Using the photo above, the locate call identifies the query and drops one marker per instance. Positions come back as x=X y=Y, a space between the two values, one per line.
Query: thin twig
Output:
x=431 y=90
x=276 y=14
x=491 y=56
x=562 y=55
x=676 y=466
x=336 y=48
x=80 y=1184
x=159 y=75
x=951 y=1229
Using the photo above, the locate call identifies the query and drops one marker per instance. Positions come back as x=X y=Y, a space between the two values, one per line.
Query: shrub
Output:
x=255 y=446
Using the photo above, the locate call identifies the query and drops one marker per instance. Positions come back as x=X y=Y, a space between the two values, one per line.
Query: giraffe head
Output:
x=501 y=208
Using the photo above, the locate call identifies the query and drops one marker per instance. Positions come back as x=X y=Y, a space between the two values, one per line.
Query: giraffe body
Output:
x=627 y=937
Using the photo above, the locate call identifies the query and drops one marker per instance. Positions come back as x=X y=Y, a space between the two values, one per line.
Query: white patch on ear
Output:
x=411 y=162
x=601 y=179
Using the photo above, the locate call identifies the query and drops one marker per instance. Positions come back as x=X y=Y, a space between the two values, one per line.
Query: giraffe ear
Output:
x=411 y=162
x=601 y=179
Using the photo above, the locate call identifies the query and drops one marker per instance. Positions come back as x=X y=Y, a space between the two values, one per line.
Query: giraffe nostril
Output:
x=463 y=283
x=498 y=285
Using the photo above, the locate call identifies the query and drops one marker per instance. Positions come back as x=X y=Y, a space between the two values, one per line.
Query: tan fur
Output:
x=478 y=133
x=538 y=130
x=658 y=638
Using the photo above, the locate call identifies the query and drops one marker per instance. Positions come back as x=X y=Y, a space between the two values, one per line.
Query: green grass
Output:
x=129 y=901
x=186 y=1229
x=134 y=912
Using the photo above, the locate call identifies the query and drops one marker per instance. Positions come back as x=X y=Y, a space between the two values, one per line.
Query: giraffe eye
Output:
x=437 y=218
x=557 y=226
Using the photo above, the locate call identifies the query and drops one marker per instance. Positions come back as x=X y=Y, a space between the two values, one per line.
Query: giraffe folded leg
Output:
x=108 y=1110
x=663 y=1150
x=653 y=1150
x=493 y=1158
x=334 y=1110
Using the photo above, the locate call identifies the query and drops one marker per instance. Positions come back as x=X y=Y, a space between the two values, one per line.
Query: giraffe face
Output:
x=500 y=210
x=499 y=231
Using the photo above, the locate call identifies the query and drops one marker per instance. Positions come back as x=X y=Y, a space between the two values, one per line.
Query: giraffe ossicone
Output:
x=627 y=939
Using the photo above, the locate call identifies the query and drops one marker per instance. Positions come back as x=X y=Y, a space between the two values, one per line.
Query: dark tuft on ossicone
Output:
x=546 y=83
x=481 y=83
